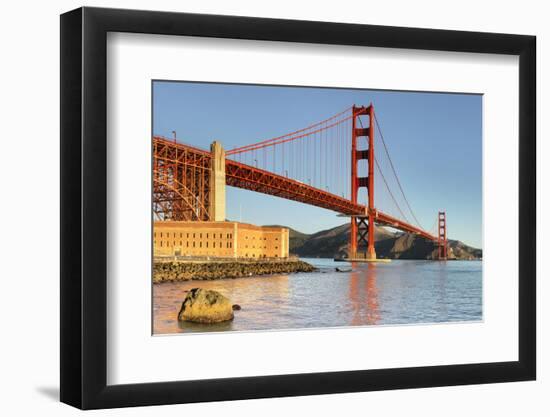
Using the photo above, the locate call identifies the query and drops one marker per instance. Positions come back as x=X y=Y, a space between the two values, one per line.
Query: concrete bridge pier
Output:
x=216 y=206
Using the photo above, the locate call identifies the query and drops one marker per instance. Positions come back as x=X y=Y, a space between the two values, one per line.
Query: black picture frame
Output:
x=84 y=207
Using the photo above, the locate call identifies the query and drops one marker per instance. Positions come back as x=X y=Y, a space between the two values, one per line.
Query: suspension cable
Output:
x=385 y=182
x=389 y=191
x=394 y=171
x=267 y=142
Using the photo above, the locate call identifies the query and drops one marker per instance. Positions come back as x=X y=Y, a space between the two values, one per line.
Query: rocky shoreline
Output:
x=211 y=270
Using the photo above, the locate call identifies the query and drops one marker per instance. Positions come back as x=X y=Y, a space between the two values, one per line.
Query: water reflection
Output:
x=363 y=295
x=442 y=288
x=402 y=292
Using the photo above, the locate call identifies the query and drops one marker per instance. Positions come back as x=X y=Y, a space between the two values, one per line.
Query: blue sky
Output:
x=434 y=139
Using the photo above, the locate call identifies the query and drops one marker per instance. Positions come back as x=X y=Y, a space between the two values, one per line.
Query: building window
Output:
x=207 y=235
x=154 y=234
x=200 y=236
x=193 y=243
x=206 y=244
x=187 y=235
x=174 y=234
x=160 y=234
x=200 y=244
x=213 y=244
x=181 y=235
x=187 y=243
x=193 y=235
x=181 y=243
x=161 y=243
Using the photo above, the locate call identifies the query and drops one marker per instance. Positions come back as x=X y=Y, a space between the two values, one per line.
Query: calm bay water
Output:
x=400 y=292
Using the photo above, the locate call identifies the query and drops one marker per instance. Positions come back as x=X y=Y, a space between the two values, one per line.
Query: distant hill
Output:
x=394 y=245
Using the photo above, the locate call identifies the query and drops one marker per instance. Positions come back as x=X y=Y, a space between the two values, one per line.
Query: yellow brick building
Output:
x=219 y=239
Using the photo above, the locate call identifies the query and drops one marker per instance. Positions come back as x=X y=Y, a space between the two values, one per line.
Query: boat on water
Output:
x=343 y=269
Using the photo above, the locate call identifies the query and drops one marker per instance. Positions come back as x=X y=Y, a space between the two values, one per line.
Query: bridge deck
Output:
x=255 y=179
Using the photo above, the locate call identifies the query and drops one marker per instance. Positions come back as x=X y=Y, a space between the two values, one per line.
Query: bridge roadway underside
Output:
x=255 y=179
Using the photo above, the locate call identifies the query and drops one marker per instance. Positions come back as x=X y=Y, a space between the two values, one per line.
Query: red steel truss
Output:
x=181 y=181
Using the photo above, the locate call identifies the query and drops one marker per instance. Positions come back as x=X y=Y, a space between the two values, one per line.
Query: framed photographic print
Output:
x=257 y=208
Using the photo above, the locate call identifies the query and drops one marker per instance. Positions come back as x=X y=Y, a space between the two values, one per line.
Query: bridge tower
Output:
x=442 y=235
x=362 y=227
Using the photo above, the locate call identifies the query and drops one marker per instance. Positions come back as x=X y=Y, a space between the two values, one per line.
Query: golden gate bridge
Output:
x=320 y=165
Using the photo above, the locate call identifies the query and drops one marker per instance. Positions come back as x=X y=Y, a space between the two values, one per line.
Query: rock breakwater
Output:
x=211 y=270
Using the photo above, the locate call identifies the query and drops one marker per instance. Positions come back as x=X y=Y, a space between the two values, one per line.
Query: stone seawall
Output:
x=210 y=270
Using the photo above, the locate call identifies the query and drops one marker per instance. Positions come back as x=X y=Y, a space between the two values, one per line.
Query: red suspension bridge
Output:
x=330 y=164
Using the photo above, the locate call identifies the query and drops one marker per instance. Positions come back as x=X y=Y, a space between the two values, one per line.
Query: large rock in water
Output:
x=205 y=306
